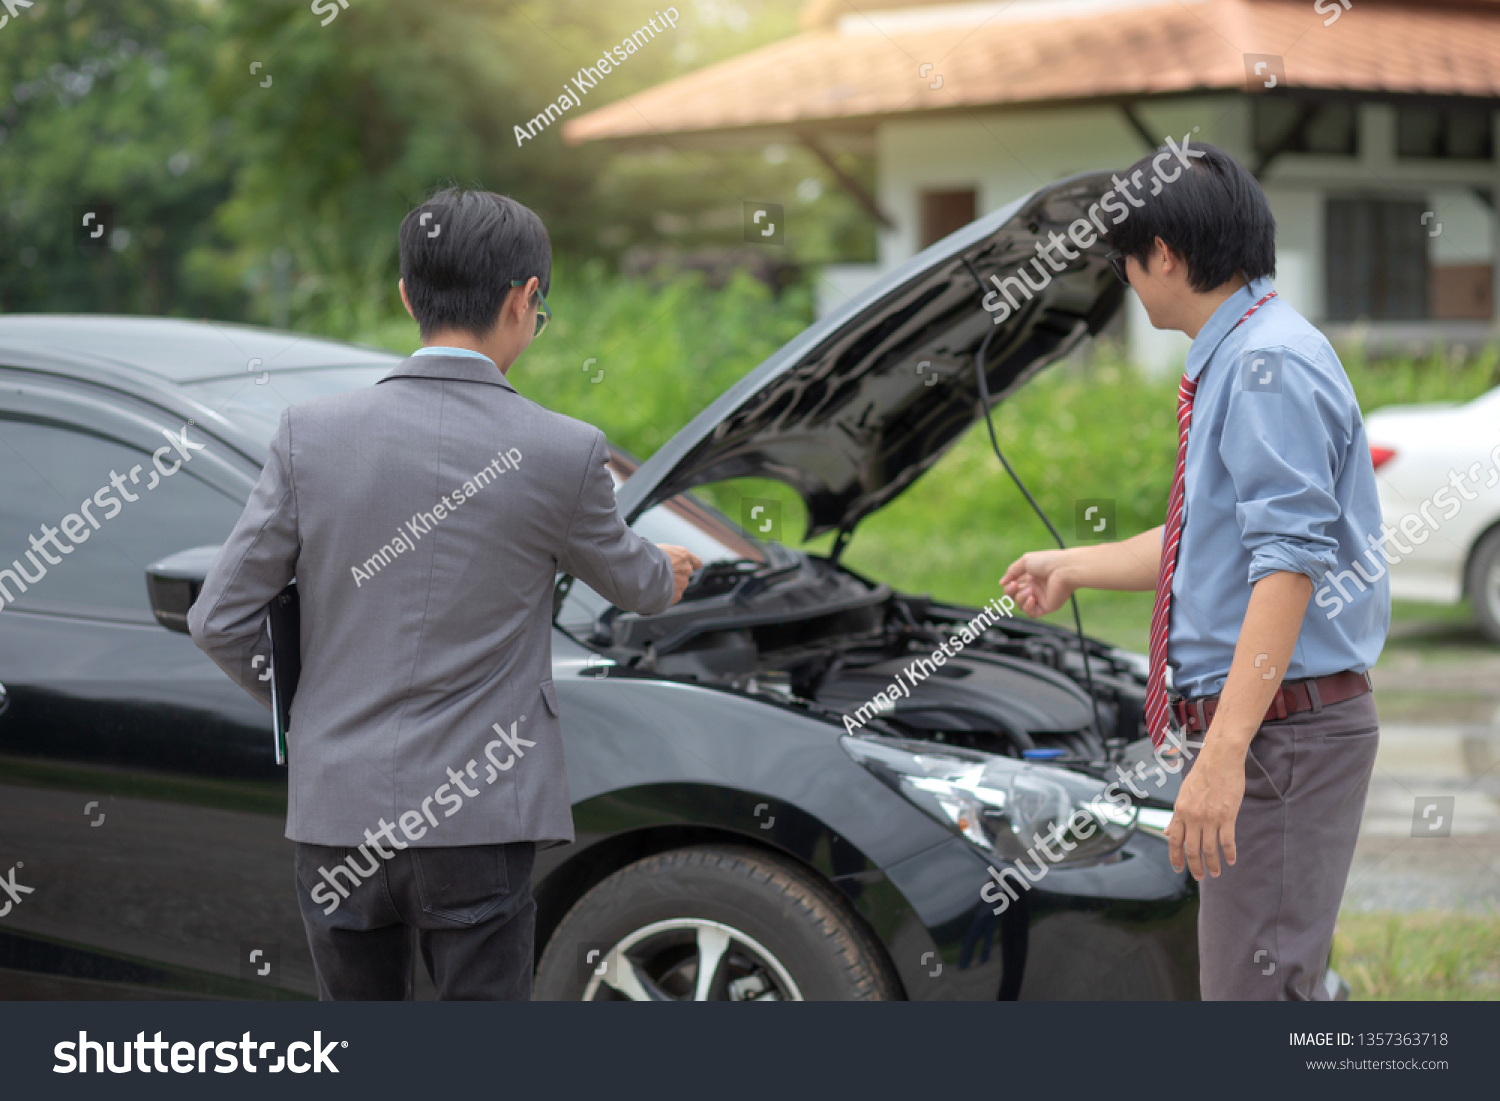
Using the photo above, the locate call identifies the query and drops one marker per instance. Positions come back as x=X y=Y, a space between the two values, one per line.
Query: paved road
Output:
x=1430 y=839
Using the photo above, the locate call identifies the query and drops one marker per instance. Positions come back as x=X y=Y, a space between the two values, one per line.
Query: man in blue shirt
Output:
x=1274 y=493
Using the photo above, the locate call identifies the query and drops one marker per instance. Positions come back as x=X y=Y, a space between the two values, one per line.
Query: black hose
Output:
x=984 y=404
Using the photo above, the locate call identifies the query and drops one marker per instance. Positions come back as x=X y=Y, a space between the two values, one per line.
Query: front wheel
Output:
x=712 y=923
x=1484 y=584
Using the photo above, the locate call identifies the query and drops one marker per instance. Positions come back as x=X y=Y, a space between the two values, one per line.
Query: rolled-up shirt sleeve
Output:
x=1282 y=451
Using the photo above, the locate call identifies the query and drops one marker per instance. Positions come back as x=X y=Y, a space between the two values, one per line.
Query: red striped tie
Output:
x=1156 y=684
x=1161 y=615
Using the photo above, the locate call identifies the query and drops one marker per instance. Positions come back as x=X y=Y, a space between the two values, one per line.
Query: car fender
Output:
x=641 y=732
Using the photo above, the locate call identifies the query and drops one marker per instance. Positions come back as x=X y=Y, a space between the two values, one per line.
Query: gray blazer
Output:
x=424 y=519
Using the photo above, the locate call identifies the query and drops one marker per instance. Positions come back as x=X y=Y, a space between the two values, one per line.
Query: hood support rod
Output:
x=984 y=406
x=839 y=544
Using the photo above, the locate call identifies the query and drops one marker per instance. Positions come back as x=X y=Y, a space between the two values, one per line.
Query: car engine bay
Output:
x=811 y=633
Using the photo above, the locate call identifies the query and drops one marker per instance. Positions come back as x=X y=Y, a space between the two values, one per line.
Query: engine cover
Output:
x=973 y=692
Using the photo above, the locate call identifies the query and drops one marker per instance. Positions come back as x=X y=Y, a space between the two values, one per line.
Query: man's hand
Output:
x=684 y=562
x=1207 y=806
x=1042 y=581
x=1038 y=583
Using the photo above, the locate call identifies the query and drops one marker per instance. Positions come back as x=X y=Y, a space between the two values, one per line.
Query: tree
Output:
x=259 y=155
x=102 y=114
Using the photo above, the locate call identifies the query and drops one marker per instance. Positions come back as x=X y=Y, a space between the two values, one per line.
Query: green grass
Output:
x=1439 y=632
x=1420 y=956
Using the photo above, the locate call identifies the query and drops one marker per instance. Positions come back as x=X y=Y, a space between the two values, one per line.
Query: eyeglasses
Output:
x=1117 y=265
x=543 y=312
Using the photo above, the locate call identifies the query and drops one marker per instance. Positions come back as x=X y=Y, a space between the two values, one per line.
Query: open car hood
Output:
x=863 y=402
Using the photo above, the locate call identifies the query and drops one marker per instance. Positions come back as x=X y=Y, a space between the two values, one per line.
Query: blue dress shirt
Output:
x=439 y=350
x=1277 y=477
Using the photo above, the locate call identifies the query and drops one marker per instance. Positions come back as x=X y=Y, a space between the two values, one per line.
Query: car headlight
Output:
x=1004 y=806
x=1154 y=820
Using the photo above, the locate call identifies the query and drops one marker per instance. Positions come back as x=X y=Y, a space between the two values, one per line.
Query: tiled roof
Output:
x=868 y=66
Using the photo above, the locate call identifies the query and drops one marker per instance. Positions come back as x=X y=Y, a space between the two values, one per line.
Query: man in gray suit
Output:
x=425 y=519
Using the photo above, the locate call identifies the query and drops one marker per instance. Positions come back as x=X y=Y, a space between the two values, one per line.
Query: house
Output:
x=1370 y=123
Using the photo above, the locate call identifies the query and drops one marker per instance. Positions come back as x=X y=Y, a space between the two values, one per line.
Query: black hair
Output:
x=459 y=251
x=1214 y=214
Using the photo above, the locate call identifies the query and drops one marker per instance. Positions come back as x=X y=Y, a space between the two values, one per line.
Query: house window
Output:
x=1299 y=126
x=1430 y=133
x=1377 y=260
x=945 y=211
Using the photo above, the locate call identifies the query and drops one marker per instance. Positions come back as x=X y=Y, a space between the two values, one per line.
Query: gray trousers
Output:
x=1265 y=925
x=471 y=907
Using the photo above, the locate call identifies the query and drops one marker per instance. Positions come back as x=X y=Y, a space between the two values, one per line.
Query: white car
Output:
x=1438 y=470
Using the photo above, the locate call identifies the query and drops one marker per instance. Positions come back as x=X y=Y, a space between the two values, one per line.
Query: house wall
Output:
x=1461 y=231
x=1005 y=154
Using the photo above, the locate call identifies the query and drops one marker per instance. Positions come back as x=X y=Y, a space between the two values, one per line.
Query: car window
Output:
x=61 y=556
x=256 y=406
x=687 y=522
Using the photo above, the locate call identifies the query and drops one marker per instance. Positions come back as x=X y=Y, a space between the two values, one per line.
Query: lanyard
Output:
x=1250 y=311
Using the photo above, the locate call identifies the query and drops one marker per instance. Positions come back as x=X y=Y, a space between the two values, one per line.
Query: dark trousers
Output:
x=471 y=907
x=1266 y=924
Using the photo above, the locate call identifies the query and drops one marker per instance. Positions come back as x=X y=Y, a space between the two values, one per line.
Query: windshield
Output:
x=256 y=406
x=686 y=521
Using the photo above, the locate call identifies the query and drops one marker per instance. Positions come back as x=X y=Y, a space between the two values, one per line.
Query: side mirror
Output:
x=5 y=702
x=174 y=583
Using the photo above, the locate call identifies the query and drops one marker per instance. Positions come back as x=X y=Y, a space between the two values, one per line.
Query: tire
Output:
x=778 y=933
x=1483 y=584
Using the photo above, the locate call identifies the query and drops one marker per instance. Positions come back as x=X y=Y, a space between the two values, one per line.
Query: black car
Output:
x=795 y=784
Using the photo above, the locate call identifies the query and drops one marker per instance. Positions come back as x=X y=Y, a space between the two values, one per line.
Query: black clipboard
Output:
x=285 y=627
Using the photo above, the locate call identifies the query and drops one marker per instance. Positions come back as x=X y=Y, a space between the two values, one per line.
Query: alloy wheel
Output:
x=690 y=960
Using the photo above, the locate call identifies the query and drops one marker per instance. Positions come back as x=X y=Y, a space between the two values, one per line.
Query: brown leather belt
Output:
x=1293 y=696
